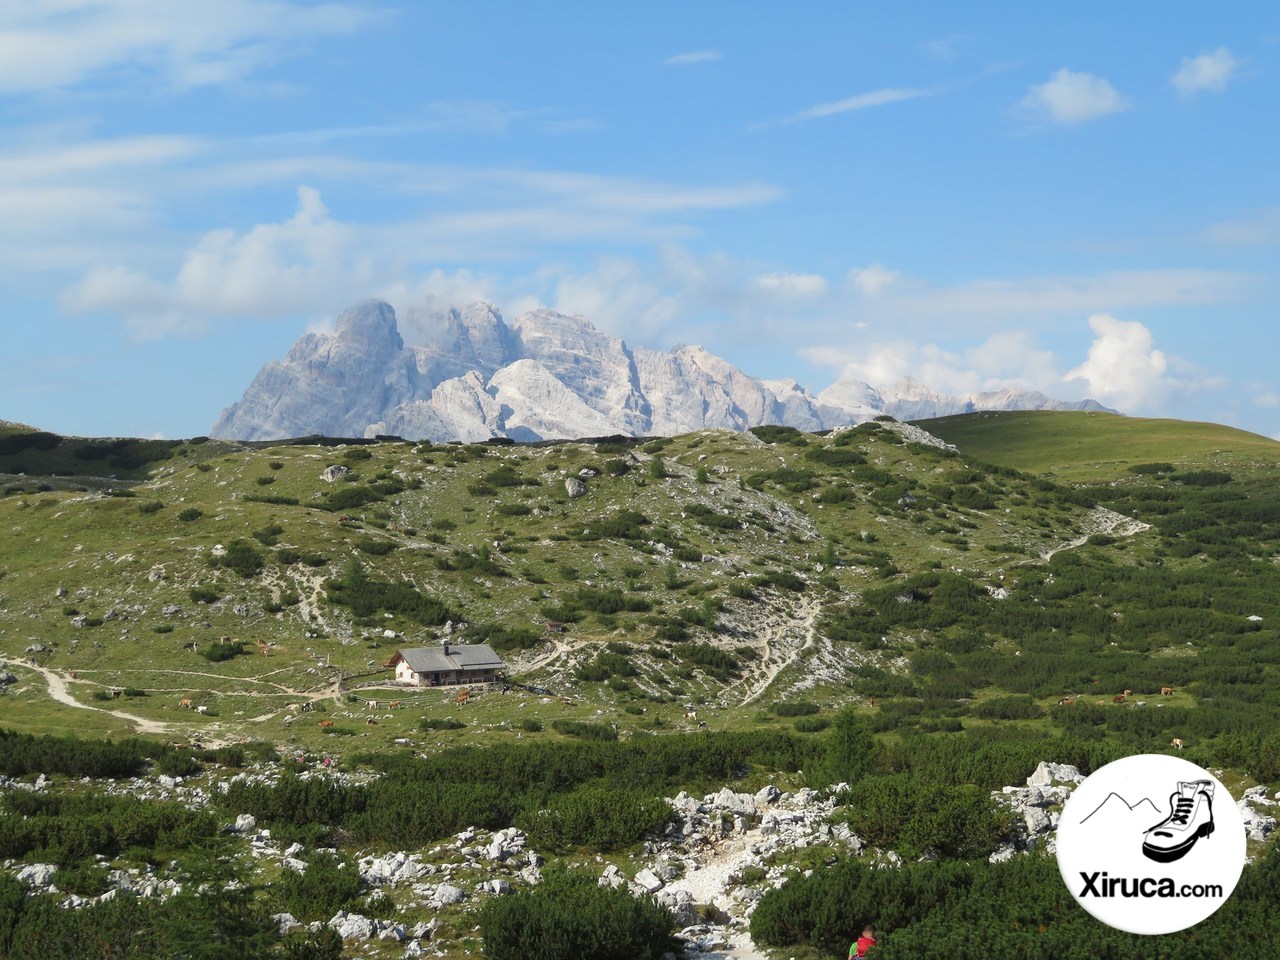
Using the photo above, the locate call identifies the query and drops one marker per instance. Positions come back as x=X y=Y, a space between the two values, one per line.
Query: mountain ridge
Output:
x=546 y=375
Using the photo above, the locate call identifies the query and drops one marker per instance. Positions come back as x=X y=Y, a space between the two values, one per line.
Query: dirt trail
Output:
x=776 y=658
x=558 y=649
x=1102 y=520
x=58 y=691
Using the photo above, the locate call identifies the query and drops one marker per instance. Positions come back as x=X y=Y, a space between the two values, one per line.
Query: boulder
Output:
x=447 y=894
x=285 y=922
x=334 y=471
x=245 y=823
x=649 y=881
x=352 y=926
x=767 y=795
x=1047 y=773
x=1257 y=825
x=730 y=802
x=575 y=487
x=37 y=875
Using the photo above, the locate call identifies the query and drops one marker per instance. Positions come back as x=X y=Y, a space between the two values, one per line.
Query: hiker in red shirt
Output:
x=864 y=943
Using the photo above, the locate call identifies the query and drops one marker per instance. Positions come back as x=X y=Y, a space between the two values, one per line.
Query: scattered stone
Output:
x=1257 y=825
x=767 y=795
x=1047 y=773
x=38 y=875
x=170 y=610
x=649 y=881
x=352 y=926
x=286 y=922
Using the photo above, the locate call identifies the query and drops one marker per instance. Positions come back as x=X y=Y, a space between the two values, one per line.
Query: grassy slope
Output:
x=109 y=556
x=1089 y=447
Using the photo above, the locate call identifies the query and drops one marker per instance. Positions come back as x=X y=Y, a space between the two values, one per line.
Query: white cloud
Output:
x=59 y=44
x=694 y=56
x=1209 y=71
x=1006 y=361
x=1070 y=97
x=1268 y=399
x=793 y=285
x=873 y=280
x=305 y=263
x=1123 y=368
x=861 y=101
x=1047 y=296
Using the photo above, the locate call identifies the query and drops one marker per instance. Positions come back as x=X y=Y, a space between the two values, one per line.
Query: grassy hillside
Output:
x=855 y=607
x=1088 y=447
x=725 y=571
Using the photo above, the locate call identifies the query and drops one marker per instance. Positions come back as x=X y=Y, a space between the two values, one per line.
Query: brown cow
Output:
x=1176 y=742
x=394 y=705
x=372 y=721
x=326 y=724
x=1119 y=698
x=1067 y=702
x=1166 y=691
x=185 y=702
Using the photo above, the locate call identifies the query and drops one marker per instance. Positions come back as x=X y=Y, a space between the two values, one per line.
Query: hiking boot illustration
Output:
x=1190 y=818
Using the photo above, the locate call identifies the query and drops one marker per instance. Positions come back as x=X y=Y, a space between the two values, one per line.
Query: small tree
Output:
x=852 y=752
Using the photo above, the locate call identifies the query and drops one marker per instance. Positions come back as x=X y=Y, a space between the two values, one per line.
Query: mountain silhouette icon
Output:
x=1115 y=807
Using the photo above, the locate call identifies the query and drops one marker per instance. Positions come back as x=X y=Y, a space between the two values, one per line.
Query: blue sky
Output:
x=1080 y=199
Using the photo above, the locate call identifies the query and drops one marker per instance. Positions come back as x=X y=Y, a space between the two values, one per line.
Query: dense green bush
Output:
x=440 y=723
x=584 y=729
x=220 y=650
x=597 y=817
x=977 y=911
x=1008 y=708
x=917 y=817
x=367 y=597
x=571 y=917
x=240 y=556
x=329 y=884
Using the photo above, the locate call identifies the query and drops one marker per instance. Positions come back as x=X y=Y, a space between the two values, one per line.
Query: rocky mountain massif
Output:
x=545 y=375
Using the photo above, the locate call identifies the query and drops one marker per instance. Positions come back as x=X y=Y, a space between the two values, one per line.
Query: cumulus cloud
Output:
x=59 y=44
x=694 y=56
x=275 y=269
x=1208 y=72
x=1005 y=361
x=1124 y=368
x=1071 y=97
x=873 y=280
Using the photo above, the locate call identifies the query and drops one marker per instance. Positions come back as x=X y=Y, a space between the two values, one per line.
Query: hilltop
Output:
x=1090 y=447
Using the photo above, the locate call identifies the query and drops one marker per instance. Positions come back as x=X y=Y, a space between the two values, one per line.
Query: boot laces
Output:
x=1182 y=810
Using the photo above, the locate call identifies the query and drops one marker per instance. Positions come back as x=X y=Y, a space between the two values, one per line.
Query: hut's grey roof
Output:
x=440 y=659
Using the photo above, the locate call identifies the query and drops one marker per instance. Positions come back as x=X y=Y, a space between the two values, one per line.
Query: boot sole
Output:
x=1170 y=854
